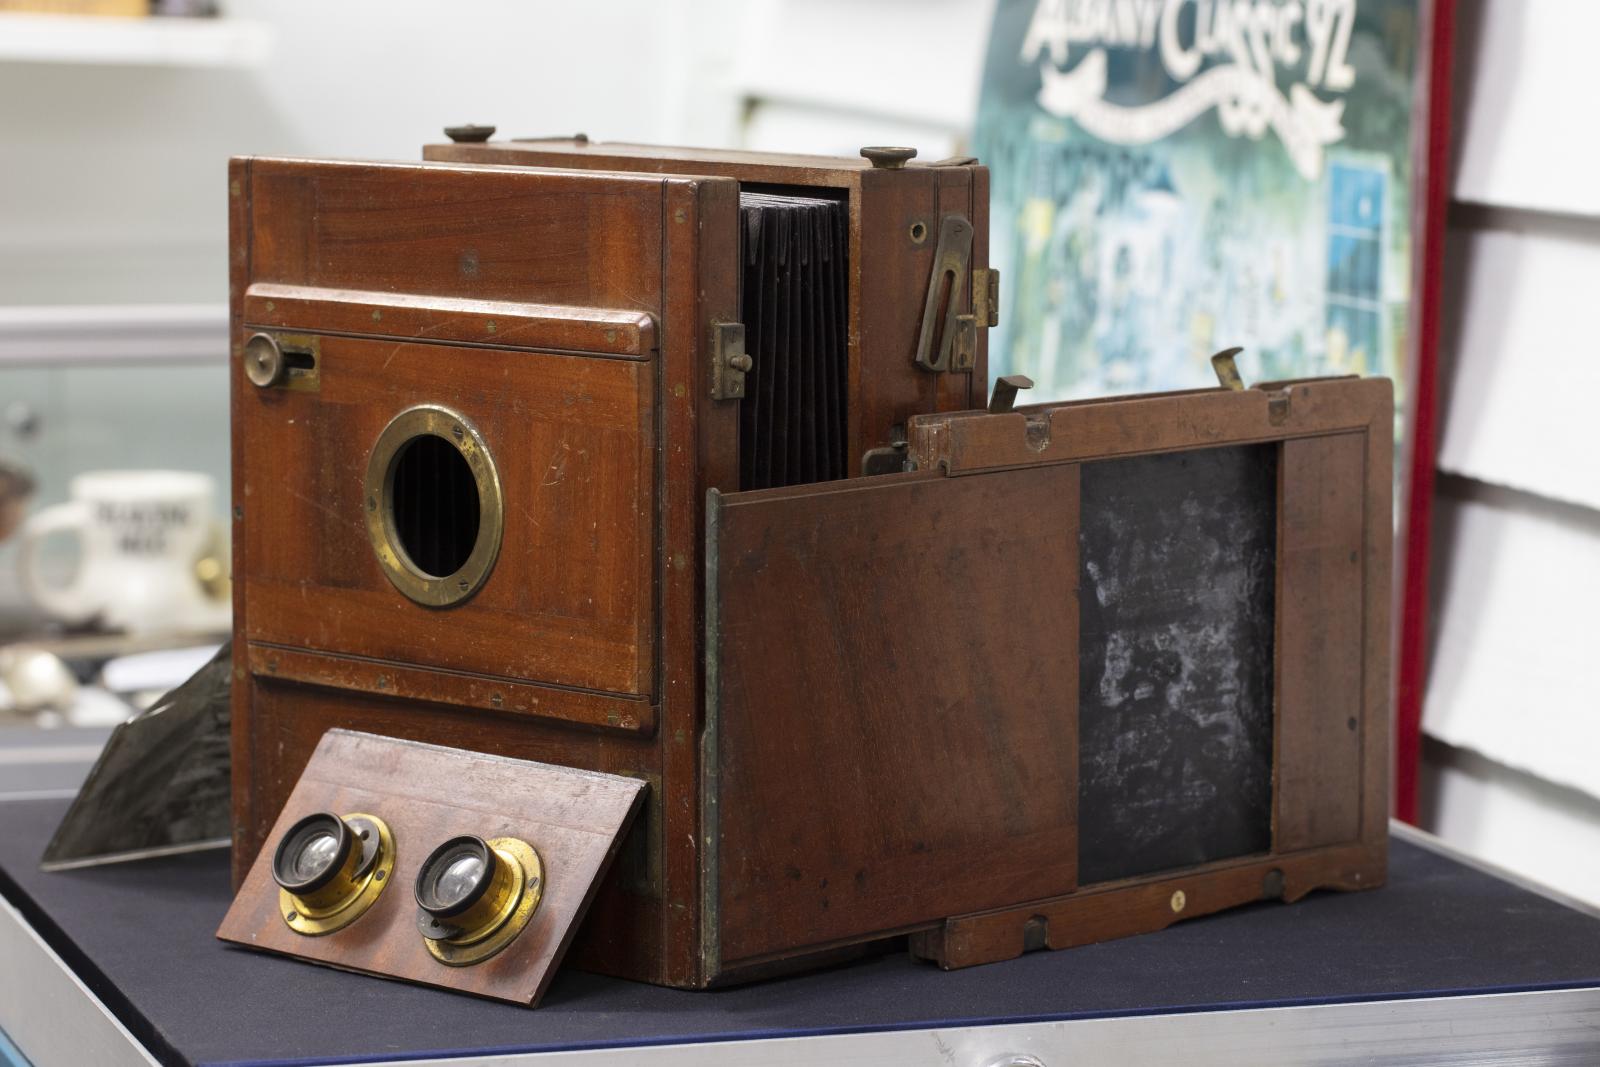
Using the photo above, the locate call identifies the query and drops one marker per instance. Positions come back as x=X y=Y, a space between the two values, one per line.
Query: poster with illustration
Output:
x=1175 y=177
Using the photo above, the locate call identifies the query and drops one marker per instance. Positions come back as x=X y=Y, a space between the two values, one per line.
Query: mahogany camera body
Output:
x=673 y=465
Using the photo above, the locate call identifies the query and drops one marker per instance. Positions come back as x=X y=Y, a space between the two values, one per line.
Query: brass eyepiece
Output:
x=475 y=896
x=330 y=869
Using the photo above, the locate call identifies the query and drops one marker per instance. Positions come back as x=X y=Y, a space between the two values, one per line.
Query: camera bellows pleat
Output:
x=794 y=307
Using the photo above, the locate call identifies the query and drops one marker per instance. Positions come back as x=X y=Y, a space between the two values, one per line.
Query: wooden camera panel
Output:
x=867 y=707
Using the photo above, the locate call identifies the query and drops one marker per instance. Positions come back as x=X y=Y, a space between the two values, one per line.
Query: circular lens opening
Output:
x=455 y=876
x=434 y=505
x=458 y=880
x=316 y=855
x=311 y=853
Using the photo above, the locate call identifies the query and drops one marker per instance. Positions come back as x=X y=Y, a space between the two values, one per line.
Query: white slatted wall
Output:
x=1513 y=709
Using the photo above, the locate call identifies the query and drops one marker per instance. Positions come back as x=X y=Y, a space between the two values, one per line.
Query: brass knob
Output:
x=263 y=361
x=886 y=157
x=469 y=134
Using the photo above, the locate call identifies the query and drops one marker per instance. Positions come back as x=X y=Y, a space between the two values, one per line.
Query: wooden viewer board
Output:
x=426 y=794
x=869 y=708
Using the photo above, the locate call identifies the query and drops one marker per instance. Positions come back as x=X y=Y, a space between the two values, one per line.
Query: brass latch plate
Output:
x=729 y=360
x=986 y=297
x=948 y=339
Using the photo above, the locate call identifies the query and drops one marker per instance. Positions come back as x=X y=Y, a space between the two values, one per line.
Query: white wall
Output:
x=1512 y=767
x=112 y=178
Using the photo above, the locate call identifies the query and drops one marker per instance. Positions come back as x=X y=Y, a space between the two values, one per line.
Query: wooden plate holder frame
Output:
x=976 y=655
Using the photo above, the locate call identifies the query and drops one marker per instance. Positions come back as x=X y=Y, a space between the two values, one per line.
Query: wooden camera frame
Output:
x=855 y=701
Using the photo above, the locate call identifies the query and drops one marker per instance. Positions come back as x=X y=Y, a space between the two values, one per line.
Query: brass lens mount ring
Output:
x=371 y=865
x=429 y=590
x=478 y=944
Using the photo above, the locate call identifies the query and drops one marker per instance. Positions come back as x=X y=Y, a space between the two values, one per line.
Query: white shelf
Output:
x=98 y=334
x=144 y=42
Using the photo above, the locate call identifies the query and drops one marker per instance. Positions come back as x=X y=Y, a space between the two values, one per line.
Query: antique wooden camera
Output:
x=677 y=465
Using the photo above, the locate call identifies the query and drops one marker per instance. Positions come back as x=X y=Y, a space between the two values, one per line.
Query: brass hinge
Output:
x=986 y=296
x=985 y=313
x=729 y=361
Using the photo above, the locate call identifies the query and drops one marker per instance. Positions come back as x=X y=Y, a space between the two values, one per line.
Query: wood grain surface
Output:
x=1334 y=439
x=895 y=706
x=427 y=794
x=569 y=601
x=1320 y=656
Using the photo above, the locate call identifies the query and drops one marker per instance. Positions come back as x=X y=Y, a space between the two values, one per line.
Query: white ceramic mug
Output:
x=141 y=535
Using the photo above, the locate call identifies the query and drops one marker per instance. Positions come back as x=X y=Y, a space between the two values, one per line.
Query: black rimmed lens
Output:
x=313 y=851
x=455 y=876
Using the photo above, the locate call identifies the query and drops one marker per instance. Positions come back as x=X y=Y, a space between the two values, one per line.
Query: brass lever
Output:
x=942 y=318
x=1005 y=392
x=1228 y=371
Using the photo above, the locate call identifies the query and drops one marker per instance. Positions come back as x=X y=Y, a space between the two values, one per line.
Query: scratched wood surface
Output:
x=1321 y=710
x=1038 y=434
x=895 y=720
x=427 y=794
